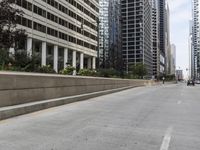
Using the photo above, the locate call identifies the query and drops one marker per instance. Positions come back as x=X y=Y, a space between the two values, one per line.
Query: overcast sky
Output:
x=180 y=14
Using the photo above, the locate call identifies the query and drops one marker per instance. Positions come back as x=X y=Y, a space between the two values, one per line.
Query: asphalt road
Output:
x=146 y=118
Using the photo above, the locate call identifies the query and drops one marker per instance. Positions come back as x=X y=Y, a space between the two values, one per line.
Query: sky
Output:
x=180 y=14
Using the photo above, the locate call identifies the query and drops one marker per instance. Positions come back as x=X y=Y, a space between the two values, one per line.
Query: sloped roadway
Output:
x=145 y=118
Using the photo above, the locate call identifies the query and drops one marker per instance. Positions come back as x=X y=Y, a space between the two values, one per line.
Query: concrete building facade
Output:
x=137 y=34
x=61 y=32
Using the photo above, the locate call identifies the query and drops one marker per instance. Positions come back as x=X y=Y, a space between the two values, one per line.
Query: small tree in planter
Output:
x=46 y=69
x=139 y=70
x=87 y=72
x=68 y=70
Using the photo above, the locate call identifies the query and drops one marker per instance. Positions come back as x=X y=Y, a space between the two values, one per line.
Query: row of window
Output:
x=62 y=22
x=27 y=5
x=39 y=27
x=56 y=5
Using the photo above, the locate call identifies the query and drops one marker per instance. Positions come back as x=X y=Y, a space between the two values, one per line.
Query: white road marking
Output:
x=179 y=102
x=166 y=139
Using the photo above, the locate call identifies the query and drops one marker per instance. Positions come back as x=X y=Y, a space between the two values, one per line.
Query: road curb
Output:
x=12 y=111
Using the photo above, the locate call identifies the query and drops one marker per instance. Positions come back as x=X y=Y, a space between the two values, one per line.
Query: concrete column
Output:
x=94 y=63
x=65 y=57
x=89 y=63
x=55 y=58
x=29 y=46
x=44 y=53
x=81 y=61
x=74 y=61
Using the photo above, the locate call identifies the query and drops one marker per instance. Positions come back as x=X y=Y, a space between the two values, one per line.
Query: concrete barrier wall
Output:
x=18 y=88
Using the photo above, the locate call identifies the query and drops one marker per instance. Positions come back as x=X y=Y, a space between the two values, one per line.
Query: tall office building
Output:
x=162 y=35
x=110 y=34
x=172 y=60
x=196 y=38
x=167 y=40
x=115 y=57
x=104 y=33
x=179 y=75
x=191 y=68
x=137 y=33
x=61 y=32
x=155 y=38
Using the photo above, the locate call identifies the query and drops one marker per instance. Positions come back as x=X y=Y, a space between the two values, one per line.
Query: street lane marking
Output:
x=166 y=139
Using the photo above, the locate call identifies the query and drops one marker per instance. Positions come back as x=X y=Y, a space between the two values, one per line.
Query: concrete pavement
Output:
x=145 y=118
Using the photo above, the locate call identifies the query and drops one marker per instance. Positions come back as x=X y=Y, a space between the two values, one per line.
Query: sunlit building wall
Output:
x=61 y=32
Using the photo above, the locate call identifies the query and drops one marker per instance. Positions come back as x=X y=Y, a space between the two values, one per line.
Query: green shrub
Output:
x=25 y=62
x=109 y=73
x=45 y=69
x=87 y=72
x=4 y=58
x=68 y=70
x=138 y=70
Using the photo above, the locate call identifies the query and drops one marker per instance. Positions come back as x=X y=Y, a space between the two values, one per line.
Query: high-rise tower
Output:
x=191 y=68
x=155 y=38
x=137 y=33
x=196 y=37
x=115 y=58
x=103 y=33
x=162 y=35
x=109 y=33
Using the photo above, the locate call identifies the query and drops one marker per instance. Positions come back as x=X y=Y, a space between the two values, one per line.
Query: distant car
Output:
x=197 y=82
x=190 y=82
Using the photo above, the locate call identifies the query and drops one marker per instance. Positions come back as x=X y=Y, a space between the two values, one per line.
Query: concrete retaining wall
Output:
x=20 y=88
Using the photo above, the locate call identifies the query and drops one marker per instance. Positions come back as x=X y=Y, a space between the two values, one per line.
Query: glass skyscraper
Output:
x=103 y=33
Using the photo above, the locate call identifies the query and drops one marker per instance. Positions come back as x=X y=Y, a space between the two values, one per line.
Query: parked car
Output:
x=190 y=82
x=197 y=82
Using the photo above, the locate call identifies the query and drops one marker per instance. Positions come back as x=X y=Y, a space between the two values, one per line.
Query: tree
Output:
x=4 y=58
x=139 y=70
x=10 y=36
x=24 y=62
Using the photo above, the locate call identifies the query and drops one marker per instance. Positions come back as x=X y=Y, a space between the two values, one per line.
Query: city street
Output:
x=164 y=117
